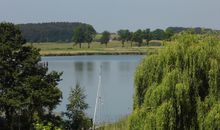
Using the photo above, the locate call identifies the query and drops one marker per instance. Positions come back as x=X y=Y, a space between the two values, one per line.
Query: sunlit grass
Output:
x=113 y=47
x=122 y=124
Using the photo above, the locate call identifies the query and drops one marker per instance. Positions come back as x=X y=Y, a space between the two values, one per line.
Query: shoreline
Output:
x=81 y=53
x=114 y=48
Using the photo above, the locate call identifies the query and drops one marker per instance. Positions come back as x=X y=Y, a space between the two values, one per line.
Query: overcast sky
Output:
x=115 y=14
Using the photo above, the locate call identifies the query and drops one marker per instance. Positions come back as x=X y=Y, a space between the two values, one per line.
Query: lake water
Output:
x=117 y=84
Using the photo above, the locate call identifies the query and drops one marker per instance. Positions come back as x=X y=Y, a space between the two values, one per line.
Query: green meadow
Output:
x=113 y=48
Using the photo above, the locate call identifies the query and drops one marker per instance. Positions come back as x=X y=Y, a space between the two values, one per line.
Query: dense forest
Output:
x=49 y=32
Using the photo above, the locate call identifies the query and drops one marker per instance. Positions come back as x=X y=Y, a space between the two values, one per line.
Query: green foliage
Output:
x=105 y=38
x=78 y=35
x=89 y=34
x=198 y=30
x=83 y=34
x=121 y=124
x=169 y=33
x=178 y=88
x=138 y=37
x=75 y=110
x=49 y=32
x=25 y=85
x=10 y=36
x=124 y=35
x=48 y=126
x=158 y=34
x=63 y=31
x=147 y=35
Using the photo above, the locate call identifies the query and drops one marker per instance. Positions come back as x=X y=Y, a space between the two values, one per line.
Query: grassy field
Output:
x=122 y=124
x=113 y=48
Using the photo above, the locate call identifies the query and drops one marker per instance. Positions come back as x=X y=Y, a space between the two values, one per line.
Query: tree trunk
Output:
x=123 y=43
x=80 y=46
x=147 y=42
x=9 y=117
x=139 y=44
x=30 y=119
x=131 y=43
x=88 y=45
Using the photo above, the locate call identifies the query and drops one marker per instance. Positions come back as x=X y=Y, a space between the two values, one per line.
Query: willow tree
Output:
x=179 y=87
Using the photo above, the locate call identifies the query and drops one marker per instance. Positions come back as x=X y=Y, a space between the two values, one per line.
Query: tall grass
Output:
x=122 y=124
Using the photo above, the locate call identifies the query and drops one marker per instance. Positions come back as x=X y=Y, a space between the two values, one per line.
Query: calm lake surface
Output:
x=117 y=84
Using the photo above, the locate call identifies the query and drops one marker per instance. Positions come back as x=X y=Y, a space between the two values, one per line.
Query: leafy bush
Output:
x=41 y=126
x=178 y=88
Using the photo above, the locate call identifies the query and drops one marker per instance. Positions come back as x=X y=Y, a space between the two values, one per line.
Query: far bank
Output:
x=113 y=48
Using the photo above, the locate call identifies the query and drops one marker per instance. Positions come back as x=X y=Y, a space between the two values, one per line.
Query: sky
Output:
x=113 y=15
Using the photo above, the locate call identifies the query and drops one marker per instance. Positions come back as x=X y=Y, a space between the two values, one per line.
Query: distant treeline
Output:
x=160 y=34
x=49 y=32
x=198 y=30
x=63 y=31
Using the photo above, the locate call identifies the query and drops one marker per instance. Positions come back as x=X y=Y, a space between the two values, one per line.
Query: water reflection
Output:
x=117 y=82
x=90 y=66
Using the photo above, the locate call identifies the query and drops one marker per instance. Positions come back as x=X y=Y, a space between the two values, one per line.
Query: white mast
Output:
x=97 y=97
